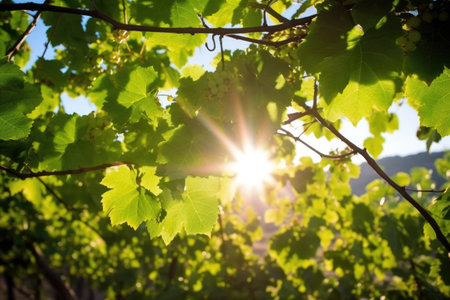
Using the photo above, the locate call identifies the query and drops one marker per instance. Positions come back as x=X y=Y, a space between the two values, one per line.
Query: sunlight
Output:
x=252 y=169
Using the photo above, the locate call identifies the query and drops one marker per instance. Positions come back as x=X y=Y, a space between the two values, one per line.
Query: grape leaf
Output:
x=126 y=201
x=135 y=88
x=357 y=68
x=14 y=125
x=196 y=211
x=150 y=180
x=374 y=145
x=17 y=98
x=433 y=102
x=201 y=204
x=374 y=65
x=368 y=13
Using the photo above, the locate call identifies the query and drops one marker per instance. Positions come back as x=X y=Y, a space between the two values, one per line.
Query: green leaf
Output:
x=126 y=201
x=368 y=13
x=402 y=179
x=433 y=102
x=136 y=87
x=17 y=98
x=374 y=145
x=14 y=125
x=196 y=211
x=357 y=67
x=201 y=204
x=430 y=57
x=10 y=76
x=372 y=71
x=150 y=180
x=391 y=233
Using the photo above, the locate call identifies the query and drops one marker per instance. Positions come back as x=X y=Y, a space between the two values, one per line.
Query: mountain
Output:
x=393 y=165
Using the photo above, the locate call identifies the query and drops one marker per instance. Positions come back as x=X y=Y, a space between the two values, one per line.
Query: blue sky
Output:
x=401 y=142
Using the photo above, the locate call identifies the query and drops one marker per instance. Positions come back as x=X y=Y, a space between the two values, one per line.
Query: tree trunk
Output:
x=62 y=289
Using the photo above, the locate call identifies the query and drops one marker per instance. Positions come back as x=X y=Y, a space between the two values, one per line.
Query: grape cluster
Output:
x=99 y=128
x=412 y=36
x=415 y=26
x=219 y=84
x=120 y=36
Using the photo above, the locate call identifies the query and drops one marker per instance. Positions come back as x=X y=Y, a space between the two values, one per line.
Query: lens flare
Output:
x=252 y=169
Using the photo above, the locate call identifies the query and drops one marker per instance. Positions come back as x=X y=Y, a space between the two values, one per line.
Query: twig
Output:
x=401 y=190
x=50 y=36
x=323 y=155
x=295 y=116
x=13 y=50
x=65 y=172
x=314 y=107
x=305 y=128
x=221 y=52
x=265 y=11
x=295 y=38
x=423 y=191
x=270 y=11
x=124 y=9
x=94 y=6
x=130 y=27
x=51 y=191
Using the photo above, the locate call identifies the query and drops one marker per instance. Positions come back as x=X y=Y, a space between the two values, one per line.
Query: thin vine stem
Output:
x=323 y=155
x=64 y=172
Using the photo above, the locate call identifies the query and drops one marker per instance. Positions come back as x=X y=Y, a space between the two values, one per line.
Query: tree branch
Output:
x=131 y=27
x=323 y=155
x=61 y=287
x=401 y=190
x=65 y=172
x=13 y=50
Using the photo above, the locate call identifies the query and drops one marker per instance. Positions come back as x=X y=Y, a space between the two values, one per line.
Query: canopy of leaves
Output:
x=136 y=200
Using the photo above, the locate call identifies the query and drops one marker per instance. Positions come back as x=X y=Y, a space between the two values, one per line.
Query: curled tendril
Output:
x=214 y=44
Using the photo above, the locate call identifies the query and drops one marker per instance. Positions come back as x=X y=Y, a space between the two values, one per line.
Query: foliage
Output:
x=72 y=186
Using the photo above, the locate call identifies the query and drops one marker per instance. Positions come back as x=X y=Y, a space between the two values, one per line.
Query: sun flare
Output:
x=252 y=168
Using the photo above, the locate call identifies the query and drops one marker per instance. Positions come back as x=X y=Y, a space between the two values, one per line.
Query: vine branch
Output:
x=323 y=155
x=131 y=27
x=423 y=191
x=401 y=190
x=13 y=50
x=64 y=172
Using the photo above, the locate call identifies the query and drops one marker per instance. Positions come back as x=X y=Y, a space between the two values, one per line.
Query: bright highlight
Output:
x=252 y=169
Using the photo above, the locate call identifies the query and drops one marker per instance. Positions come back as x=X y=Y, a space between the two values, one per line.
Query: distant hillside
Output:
x=393 y=165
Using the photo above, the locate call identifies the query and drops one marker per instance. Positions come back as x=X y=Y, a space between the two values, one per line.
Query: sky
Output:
x=402 y=142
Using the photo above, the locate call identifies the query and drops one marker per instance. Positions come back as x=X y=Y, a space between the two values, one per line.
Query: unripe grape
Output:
x=410 y=46
x=401 y=40
x=443 y=16
x=427 y=17
x=414 y=36
x=414 y=22
x=95 y=133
